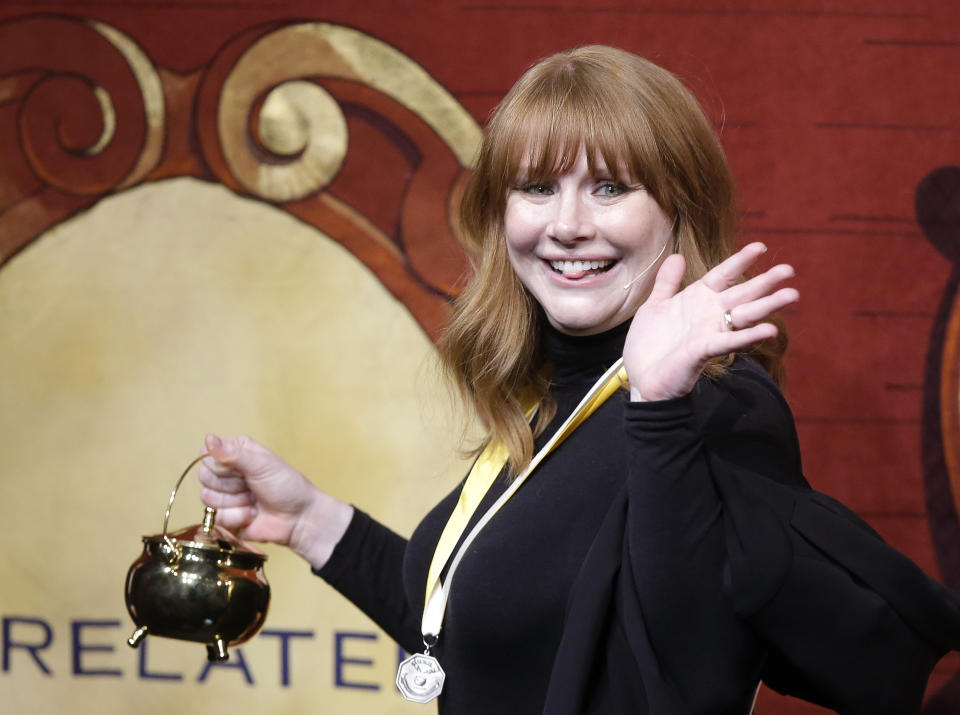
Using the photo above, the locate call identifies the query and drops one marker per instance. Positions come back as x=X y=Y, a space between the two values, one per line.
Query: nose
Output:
x=572 y=220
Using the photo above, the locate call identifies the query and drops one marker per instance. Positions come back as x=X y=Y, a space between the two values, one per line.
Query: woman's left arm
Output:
x=678 y=556
x=742 y=572
x=730 y=555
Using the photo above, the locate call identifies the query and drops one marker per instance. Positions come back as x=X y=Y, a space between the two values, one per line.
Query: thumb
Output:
x=242 y=454
x=225 y=450
x=669 y=278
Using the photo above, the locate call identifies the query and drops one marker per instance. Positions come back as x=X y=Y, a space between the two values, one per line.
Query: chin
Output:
x=580 y=325
x=585 y=316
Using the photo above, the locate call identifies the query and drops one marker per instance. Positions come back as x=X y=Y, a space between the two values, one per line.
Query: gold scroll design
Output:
x=89 y=111
x=273 y=124
x=92 y=116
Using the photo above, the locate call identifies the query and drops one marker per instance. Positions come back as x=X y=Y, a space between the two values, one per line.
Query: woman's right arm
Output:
x=255 y=491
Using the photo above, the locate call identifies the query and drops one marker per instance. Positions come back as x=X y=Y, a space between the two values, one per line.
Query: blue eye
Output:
x=538 y=189
x=611 y=188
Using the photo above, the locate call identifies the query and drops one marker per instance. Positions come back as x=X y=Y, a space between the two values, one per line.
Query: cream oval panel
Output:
x=126 y=334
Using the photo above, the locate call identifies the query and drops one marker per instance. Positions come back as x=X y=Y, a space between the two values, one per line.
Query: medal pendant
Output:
x=420 y=678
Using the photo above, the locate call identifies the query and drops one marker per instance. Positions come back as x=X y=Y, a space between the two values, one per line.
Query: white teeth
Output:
x=578 y=266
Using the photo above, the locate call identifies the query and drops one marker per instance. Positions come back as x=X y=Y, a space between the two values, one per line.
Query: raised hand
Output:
x=255 y=491
x=674 y=334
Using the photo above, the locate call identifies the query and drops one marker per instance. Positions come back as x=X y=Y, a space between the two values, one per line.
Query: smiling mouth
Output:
x=580 y=269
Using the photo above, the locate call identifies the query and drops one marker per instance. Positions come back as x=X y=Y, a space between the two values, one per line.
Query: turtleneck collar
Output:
x=577 y=358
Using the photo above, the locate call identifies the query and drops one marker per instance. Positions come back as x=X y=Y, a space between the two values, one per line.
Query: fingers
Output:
x=235 y=518
x=222 y=500
x=721 y=277
x=749 y=314
x=223 y=479
x=758 y=286
x=240 y=455
x=746 y=326
x=754 y=300
x=229 y=495
x=230 y=484
x=731 y=341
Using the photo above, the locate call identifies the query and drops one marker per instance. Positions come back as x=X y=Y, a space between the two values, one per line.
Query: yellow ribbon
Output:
x=485 y=470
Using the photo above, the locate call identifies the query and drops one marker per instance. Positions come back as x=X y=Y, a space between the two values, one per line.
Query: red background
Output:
x=832 y=114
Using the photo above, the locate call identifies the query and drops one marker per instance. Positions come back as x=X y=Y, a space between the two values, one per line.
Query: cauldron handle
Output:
x=173 y=495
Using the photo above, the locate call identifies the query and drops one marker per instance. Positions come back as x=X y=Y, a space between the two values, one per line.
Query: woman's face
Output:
x=577 y=241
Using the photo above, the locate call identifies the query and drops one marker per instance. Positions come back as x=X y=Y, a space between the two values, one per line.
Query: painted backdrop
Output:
x=236 y=216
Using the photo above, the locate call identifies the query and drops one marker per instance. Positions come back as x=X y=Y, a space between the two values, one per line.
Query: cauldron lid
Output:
x=208 y=535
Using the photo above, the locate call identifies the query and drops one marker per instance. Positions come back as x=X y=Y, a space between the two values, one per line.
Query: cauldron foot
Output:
x=217 y=651
x=138 y=635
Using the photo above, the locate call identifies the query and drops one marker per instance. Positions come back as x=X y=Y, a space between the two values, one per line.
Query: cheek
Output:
x=522 y=260
x=644 y=231
x=521 y=265
x=520 y=229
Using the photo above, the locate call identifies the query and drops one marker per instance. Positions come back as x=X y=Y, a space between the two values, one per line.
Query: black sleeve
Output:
x=367 y=568
x=727 y=544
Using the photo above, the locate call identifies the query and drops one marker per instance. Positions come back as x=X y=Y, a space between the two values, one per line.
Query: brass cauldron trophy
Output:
x=199 y=584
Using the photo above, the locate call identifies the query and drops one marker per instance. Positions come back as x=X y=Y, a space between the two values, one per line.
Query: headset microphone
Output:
x=652 y=264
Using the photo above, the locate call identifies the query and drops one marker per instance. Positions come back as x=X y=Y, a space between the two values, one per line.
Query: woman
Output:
x=668 y=554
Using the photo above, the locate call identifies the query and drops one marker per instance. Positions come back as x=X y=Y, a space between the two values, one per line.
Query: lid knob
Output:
x=209 y=517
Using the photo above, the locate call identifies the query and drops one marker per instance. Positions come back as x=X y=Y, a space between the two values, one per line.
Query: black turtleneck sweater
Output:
x=642 y=568
x=505 y=614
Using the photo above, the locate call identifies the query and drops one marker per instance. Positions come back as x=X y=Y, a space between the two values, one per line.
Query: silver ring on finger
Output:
x=728 y=321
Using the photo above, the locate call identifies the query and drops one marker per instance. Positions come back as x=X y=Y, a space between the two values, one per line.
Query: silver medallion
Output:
x=420 y=678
